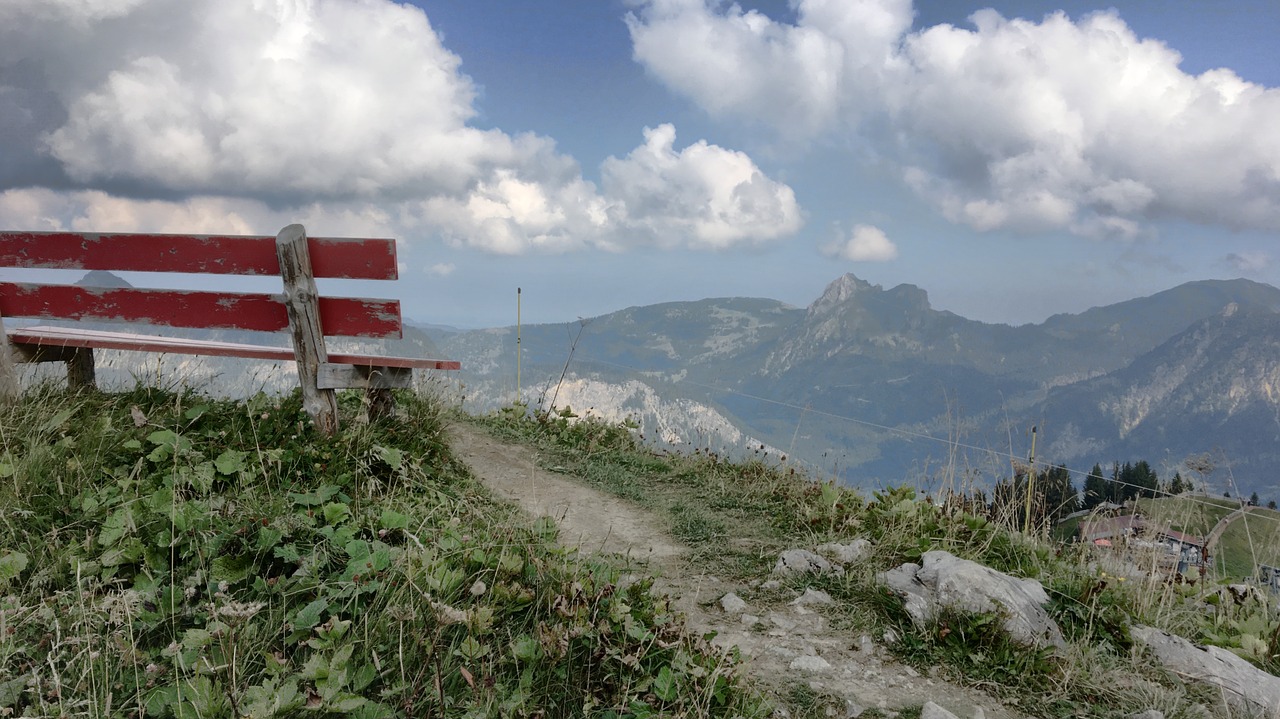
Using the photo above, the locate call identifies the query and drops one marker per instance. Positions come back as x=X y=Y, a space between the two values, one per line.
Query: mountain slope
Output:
x=1213 y=388
x=860 y=381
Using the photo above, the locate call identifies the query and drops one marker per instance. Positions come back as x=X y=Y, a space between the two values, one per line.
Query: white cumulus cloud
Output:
x=867 y=243
x=703 y=196
x=1057 y=124
x=164 y=115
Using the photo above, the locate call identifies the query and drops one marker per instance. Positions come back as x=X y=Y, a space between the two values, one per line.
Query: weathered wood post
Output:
x=9 y=388
x=81 y=369
x=302 y=303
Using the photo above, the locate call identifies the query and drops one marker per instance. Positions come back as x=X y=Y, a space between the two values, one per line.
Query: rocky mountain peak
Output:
x=841 y=291
x=849 y=288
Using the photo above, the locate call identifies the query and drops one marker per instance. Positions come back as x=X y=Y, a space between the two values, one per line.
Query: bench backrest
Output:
x=343 y=258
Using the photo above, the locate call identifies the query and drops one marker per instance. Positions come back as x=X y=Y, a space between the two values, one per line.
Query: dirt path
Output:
x=782 y=643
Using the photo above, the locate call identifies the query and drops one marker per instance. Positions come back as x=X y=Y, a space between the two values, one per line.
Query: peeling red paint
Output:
x=340 y=316
x=344 y=258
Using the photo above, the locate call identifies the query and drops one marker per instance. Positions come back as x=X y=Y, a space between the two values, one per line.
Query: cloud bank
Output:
x=243 y=115
x=1011 y=124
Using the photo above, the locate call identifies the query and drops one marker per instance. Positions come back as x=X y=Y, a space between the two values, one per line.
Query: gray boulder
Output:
x=732 y=604
x=802 y=561
x=1246 y=688
x=944 y=580
x=846 y=553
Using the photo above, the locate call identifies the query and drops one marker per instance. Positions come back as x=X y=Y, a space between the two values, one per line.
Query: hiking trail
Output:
x=781 y=642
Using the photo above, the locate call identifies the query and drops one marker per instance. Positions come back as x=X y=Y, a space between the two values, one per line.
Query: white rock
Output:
x=945 y=580
x=933 y=711
x=812 y=596
x=732 y=604
x=771 y=585
x=801 y=561
x=1246 y=688
x=846 y=553
x=749 y=619
x=810 y=663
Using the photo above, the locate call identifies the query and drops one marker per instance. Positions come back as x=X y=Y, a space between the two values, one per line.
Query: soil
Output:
x=781 y=643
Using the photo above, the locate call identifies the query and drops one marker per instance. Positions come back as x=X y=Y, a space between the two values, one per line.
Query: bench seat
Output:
x=31 y=339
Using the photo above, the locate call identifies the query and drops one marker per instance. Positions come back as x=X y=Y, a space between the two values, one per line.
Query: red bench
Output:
x=300 y=310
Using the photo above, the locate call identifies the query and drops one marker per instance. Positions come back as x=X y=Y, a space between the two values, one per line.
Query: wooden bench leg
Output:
x=81 y=373
x=381 y=403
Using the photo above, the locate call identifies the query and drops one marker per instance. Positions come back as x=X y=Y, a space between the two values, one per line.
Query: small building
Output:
x=1188 y=547
x=1107 y=531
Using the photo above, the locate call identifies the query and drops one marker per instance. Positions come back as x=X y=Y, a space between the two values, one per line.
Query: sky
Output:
x=1015 y=159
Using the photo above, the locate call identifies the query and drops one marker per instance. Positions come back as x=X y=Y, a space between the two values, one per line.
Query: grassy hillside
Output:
x=1251 y=539
x=164 y=554
x=167 y=555
x=1192 y=514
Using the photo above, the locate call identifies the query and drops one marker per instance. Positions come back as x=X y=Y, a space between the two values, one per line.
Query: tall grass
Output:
x=164 y=553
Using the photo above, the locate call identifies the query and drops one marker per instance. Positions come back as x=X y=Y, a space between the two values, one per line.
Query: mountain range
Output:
x=876 y=387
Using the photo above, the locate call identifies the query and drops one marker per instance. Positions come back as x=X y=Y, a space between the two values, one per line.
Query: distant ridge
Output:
x=860 y=381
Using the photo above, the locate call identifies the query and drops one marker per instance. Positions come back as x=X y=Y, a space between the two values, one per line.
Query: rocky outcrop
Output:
x=1246 y=688
x=947 y=581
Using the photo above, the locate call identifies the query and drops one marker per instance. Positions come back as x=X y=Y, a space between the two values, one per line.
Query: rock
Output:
x=732 y=604
x=1241 y=593
x=801 y=561
x=846 y=553
x=812 y=596
x=853 y=710
x=781 y=652
x=809 y=663
x=945 y=580
x=1246 y=688
x=771 y=585
x=933 y=711
x=781 y=621
x=866 y=645
x=1148 y=714
x=749 y=619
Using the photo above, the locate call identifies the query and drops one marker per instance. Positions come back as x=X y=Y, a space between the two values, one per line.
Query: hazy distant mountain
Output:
x=102 y=278
x=859 y=381
x=1215 y=387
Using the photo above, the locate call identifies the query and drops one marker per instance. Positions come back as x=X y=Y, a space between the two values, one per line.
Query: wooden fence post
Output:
x=301 y=302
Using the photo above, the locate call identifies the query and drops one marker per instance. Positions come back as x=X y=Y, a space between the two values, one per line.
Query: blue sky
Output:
x=1015 y=159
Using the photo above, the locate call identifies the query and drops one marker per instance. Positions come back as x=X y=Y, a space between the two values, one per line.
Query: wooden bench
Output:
x=299 y=309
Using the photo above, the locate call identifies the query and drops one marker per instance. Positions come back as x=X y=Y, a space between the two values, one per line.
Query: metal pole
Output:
x=518 y=353
x=1031 y=478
